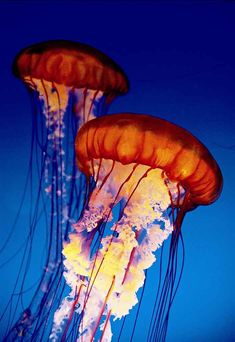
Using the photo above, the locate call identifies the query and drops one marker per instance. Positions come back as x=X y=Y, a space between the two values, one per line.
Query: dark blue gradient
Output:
x=179 y=57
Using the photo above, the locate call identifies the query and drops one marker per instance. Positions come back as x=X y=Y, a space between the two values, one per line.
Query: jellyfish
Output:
x=64 y=76
x=143 y=175
x=60 y=71
x=70 y=83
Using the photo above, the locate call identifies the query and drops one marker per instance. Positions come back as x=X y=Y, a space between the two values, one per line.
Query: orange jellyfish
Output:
x=61 y=70
x=144 y=174
x=70 y=83
x=66 y=77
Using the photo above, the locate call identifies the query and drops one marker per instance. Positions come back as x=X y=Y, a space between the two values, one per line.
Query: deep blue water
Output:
x=179 y=58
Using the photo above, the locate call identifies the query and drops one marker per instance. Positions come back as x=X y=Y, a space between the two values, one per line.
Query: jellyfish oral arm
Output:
x=126 y=242
x=87 y=103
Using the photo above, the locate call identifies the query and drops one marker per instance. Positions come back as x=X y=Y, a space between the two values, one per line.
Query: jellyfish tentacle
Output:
x=108 y=215
x=112 y=240
x=105 y=326
x=102 y=309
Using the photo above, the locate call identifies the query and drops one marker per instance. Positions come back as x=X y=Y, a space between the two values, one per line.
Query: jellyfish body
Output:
x=61 y=69
x=66 y=76
x=70 y=83
x=144 y=174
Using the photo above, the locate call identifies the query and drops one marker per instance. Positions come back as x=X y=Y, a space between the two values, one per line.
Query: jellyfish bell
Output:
x=148 y=173
x=57 y=69
x=156 y=143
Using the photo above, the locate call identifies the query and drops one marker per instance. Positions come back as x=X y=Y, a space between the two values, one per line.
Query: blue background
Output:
x=179 y=57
